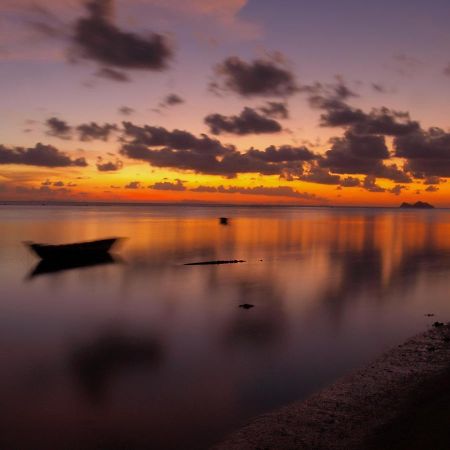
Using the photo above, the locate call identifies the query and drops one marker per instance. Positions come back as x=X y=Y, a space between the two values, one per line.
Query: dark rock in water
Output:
x=418 y=205
x=223 y=220
x=438 y=324
x=429 y=315
x=204 y=263
x=246 y=306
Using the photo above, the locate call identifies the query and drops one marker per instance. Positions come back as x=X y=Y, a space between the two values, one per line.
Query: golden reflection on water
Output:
x=157 y=354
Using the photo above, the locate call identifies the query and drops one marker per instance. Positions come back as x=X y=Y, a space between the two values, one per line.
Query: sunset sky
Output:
x=225 y=101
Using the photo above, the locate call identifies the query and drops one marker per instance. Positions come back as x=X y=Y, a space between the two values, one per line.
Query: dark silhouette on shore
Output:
x=418 y=205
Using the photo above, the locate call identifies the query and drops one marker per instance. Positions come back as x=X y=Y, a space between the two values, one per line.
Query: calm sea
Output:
x=142 y=351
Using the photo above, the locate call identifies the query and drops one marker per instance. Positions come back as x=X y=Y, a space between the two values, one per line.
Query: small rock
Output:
x=246 y=306
x=438 y=324
x=429 y=315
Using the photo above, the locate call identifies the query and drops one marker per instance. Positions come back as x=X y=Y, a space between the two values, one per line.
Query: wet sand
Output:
x=400 y=401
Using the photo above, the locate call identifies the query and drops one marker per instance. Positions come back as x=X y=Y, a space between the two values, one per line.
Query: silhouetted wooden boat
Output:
x=78 y=250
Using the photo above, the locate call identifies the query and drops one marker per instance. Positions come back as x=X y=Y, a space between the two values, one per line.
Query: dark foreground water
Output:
x=145 y=352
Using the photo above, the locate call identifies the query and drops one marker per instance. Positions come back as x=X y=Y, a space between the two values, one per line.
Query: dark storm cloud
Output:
x=427 y=152
x=112 y=74
x=98 y=39
x=261 y=77
x=248 y=121
x=39 y=155
x=183 y=151
x=92 y=131
x=177 y=185
x=277 y=191
x=275 y=110
x=108 y=166
x=58 y=128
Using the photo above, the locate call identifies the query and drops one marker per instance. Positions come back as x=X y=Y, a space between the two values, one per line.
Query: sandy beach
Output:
x=400 y=401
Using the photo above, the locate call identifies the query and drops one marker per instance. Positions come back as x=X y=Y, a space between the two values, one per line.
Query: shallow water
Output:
x=146 y=352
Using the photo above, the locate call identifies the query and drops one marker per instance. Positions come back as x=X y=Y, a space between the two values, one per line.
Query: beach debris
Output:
x=246 y=306
x=204 y=263
x=438 y=324
x=223 y=220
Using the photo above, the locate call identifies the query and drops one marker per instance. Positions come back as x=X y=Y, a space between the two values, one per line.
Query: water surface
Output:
x=145 y=352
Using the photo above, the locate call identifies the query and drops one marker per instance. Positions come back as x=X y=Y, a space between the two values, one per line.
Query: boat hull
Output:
x=76 y=251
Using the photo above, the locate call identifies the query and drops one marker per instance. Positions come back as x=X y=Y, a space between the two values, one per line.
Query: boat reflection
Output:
x=96 y=364
x=53 y=266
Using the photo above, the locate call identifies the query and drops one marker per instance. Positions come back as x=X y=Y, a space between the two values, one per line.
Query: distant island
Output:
x=420 y=205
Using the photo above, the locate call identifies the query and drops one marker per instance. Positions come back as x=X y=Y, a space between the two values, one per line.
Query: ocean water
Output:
x=143 y=351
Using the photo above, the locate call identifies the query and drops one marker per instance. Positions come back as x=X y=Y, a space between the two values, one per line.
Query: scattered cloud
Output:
x=277 y=191
x=97 y=38
x=177 y=185
x=350 y=182
x=58 y=128
x=133 y=185
x=181 y=150
x=369 y=184
x=92 y=131
x=112 y=74
x=427 y=152
x=248 y=121
x=354 y=154
x=275 y=110
x=269 y=77
x=126 y=110
x=39 y=155
x=321 y=176
x=172 y=100
x=108 y=166
x=397 y=189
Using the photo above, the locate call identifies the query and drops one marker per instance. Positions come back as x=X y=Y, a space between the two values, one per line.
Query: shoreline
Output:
x=364 y=409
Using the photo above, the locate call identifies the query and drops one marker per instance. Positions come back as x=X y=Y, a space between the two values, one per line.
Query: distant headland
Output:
x=420 y=205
